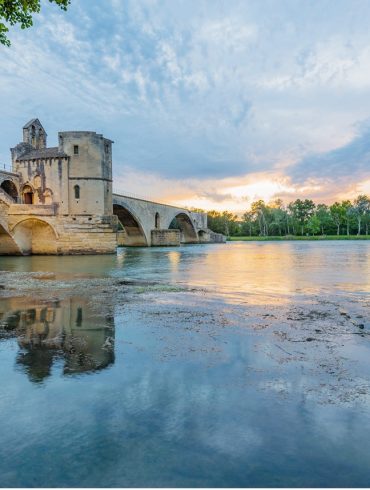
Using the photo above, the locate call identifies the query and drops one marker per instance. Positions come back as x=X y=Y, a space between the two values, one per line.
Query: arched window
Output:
x=77 y=191
x=157 y=221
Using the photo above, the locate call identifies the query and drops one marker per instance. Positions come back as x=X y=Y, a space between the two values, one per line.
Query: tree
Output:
x=20 y=12
x=302 y=211
x=248 y=222
x=230 y=225
x=361 y=209
x=291 y=221
x=338 y=214
x=259 y=211
x=323 y=214
x=278 y=215
x=224 y=222
x=314 y=224
x=347 y=206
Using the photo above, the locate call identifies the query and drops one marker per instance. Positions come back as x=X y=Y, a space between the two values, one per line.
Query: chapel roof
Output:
x=52 y=152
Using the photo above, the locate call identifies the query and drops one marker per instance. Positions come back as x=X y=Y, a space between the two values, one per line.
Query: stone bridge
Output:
x=147 y=223
x=39 y=229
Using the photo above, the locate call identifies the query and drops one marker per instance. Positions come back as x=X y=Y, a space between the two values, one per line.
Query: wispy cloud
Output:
x=199 y=93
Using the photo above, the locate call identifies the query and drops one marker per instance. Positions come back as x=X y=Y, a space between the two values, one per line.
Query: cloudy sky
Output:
x=210 y=103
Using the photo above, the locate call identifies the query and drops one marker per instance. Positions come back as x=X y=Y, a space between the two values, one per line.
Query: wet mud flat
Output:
x=321 y=340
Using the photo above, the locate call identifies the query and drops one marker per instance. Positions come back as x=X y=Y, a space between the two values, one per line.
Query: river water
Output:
x=231 y=365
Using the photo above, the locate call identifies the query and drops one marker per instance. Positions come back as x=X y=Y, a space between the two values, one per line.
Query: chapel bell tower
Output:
x=34 y=134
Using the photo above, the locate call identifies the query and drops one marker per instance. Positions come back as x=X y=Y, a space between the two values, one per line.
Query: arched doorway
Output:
x=183 y=223
x=27 y=194
x=10 y=188
x=157 y=221
x=131 y=234
x=35 y=237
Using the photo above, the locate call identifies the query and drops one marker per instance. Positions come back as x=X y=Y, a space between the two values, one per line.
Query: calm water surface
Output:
x=197 y=385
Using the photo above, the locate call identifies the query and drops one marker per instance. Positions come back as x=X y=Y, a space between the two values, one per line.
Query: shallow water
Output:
x=245 y=364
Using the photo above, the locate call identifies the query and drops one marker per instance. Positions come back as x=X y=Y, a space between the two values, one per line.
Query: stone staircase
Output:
x=4 y=196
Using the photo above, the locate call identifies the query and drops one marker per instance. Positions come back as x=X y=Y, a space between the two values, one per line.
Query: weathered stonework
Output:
x=216 y=237
x=165 y=238
x=59 y=200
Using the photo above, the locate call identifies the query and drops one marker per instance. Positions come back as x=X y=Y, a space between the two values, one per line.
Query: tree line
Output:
x=300 y=217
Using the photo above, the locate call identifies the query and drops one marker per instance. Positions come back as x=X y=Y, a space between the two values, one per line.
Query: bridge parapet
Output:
x=9 y=175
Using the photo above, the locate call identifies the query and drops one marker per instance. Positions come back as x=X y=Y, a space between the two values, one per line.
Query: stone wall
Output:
x=48 y=179
x=86 y=235
x=90 y=168
x=165 y=238
x=216 y=237
x=38 y=232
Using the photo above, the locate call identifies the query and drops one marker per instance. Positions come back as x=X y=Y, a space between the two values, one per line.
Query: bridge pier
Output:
x=165 y=238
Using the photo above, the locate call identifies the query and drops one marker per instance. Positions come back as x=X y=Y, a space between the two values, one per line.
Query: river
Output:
x=231 y=365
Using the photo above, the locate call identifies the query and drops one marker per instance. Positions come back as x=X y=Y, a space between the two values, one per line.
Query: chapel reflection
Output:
x=67 y=332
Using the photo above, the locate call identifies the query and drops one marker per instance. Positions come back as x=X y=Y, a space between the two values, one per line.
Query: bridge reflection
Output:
x=67 y=333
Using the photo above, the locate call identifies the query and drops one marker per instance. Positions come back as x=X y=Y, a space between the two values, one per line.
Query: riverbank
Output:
x=293 y=237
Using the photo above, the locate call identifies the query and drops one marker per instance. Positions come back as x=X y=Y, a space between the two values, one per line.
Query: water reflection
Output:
x=47 y=332
x=249 y=381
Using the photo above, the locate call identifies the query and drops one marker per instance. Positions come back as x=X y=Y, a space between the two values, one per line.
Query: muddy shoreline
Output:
x=311 y=333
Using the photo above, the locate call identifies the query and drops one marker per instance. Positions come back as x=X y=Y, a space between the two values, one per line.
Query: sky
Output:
x=211 y=104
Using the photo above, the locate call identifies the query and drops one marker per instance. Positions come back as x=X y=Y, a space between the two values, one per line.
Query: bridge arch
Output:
x=133 y=233
x=8 y=186
x=8 y=245
x=35 y=237
x=183 y=222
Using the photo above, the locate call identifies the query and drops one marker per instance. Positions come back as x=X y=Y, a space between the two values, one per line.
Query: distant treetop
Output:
x=20 y=12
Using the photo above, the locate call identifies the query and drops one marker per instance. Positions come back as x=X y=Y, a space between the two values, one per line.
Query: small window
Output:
x=75 y=149
x=77 y=191
x=106 y=146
